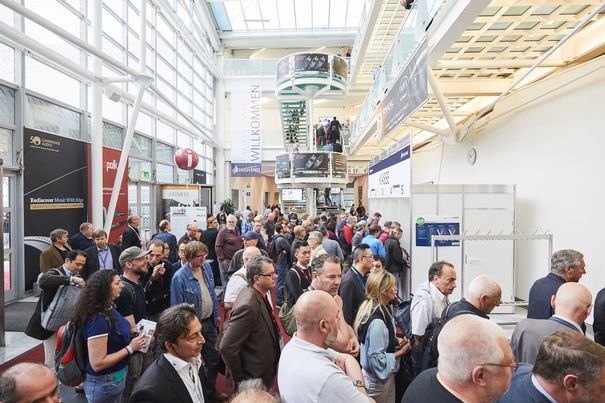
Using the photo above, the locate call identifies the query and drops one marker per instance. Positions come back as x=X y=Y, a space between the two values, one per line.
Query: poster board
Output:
x=180 y=217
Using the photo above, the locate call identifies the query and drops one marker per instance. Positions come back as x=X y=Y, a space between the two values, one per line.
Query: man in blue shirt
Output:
x=373 y=242
x=193 y=284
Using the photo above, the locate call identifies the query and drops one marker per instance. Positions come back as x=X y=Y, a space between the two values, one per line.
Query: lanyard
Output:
x=358 y=275
x=104 y=260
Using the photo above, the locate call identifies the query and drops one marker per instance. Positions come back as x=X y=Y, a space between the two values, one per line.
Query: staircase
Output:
x=294 y=122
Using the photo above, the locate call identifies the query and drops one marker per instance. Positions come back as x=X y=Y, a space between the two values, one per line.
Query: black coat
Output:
x=160 y=383
x=80 y=242
x=92 y=260
x=49 y=282
x=131 y=237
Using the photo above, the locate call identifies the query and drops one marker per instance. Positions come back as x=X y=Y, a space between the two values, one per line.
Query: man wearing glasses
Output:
x=251 y=342
x=193 y=284
x=475 y=365
x=353 y=287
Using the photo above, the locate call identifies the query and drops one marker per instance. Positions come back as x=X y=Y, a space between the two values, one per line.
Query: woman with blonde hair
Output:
x=380 y=347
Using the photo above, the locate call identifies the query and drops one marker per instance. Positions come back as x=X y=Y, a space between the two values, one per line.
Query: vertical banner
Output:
x=246 y=123
x=55 y=183
x=111 y=157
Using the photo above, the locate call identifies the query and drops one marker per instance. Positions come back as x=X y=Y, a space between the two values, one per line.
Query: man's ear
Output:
x=571 y=383
x=553 y=301
x=478 y=376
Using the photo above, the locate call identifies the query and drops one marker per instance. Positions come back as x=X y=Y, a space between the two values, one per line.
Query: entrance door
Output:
x=8 y=226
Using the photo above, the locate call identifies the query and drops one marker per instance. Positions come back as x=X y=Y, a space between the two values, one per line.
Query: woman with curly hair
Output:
x=380 y=347
x=108 y=337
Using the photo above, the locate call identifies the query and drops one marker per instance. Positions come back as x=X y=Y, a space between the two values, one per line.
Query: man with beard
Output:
x=157 y=280
x=309 y=370
x=228 y=241
x=132 y=305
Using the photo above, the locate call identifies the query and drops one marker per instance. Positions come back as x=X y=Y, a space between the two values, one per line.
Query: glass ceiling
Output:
x=291 y=15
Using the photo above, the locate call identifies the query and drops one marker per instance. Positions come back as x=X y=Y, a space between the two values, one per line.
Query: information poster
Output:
x=311 y=62
x=311 y=164
x=391 y=177
x=427 y=226
x=282 y=166
x=55 y=184
x=180 y=217
x=339 y=165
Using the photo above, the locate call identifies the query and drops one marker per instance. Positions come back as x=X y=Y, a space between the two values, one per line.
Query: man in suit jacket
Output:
x=131 y=235
x=83 y=239
x=165 y=236
x=572 y=303
x=251 y=341
x=50 y=282
x=569 y=368
x=102 y=255
x=174 y=375
x=54 y=256
x=565 y=266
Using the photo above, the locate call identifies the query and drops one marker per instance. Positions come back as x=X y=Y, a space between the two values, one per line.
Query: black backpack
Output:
x=431 y=334
x=272 y=248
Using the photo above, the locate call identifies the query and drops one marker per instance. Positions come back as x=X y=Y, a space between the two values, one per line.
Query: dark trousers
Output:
x=210 y=354
x=416 y=355
x=281 y=283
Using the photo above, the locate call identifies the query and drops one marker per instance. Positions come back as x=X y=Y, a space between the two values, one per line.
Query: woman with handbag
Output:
x=381 y=349
x=108 y=337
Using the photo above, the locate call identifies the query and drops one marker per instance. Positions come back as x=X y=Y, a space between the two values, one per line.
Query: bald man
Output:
x=309 y=370
x=572 y=304
x=238 y=280
x=484 y=294
x=475 y=364
x=29 y=382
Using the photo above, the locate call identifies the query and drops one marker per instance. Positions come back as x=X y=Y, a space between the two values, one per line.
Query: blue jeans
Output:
x=105 y=388
x=281 y=283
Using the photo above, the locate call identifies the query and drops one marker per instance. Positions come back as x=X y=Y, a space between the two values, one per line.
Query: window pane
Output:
x=7 y=105
x=164 y=173
x=144 y=123
x=139 y=170
x=48 y=117
x=145 y=194
x=112 y=136
x=183 y=140
x=7 y=67
x=141 y=146
x=132 y=193
x=165 y=132
x=112 y=26
x=164 y=152
x=6 y=146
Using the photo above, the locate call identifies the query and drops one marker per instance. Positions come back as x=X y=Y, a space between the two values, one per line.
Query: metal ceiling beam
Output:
x=449 y=23
x=366 y=31
x=287 y=39
x=493 y=64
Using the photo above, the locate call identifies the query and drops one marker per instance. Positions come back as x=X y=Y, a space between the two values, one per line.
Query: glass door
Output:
x=10 y=275
x=139 y=203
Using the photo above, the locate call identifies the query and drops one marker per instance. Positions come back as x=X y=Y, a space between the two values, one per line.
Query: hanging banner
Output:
x=55 y=183
x=391 y=176
x=110 y=161
x=246 y=147
x=408 y=93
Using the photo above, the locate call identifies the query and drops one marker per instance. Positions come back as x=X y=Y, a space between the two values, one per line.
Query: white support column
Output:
x=223 y=176
x=96 y=123
x=442 y=102
x=144 y=82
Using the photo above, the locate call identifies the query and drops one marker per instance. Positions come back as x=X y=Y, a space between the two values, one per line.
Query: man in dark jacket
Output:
x=50 y=282
x=208 y=238
x=102 y=255
x=83 y=239
x=353 y=286
x=165 y=236
x=131 y=235
x=282 y=260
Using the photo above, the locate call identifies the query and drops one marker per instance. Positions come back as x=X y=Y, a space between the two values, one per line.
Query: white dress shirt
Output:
x=189 y=373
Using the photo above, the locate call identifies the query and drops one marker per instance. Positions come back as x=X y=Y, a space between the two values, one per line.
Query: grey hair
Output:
x=563 y=258
x=85 y=225
x=231 y=217
x=248 y=253
x=352 y=219
x=255 y=267
x=466 y=342
x=318 y=263
x=483 y=285
x=316 y=235
x=254 y=391
x=57 y=233
x=359 y=251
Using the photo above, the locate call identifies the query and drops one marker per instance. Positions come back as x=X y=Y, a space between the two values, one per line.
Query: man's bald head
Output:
x=249 y=253
x=28 y=382
x=573 y=301
x=312 y=307
x=484 y=293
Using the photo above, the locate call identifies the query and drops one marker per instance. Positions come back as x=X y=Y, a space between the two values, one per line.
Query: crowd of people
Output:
x=338 y=285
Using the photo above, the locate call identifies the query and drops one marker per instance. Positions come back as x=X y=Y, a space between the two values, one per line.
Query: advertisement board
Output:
x=180 y=217
x=427 y=226
x=311 y=164
x=292 y=194
x=282 y=166
x=311 y=62
x=391 y=177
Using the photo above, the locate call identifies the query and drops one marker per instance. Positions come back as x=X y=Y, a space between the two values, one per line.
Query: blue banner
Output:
x=239 y=169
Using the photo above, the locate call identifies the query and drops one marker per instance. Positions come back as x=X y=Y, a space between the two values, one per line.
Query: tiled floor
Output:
x=17 y=343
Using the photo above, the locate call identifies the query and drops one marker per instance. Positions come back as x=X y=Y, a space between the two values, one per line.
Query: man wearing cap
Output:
x=132 y=305
x=251 y=238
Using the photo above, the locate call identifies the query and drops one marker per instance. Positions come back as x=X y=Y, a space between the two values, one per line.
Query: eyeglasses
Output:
x=512 y=366
x=269 y=274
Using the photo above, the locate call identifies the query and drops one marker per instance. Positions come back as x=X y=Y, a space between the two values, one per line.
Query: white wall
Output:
x=552 y=150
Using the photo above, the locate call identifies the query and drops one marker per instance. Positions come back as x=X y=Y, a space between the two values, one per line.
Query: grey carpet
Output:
x=17 y=315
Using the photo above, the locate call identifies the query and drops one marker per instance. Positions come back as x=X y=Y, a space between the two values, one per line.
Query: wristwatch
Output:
x=358 y=383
